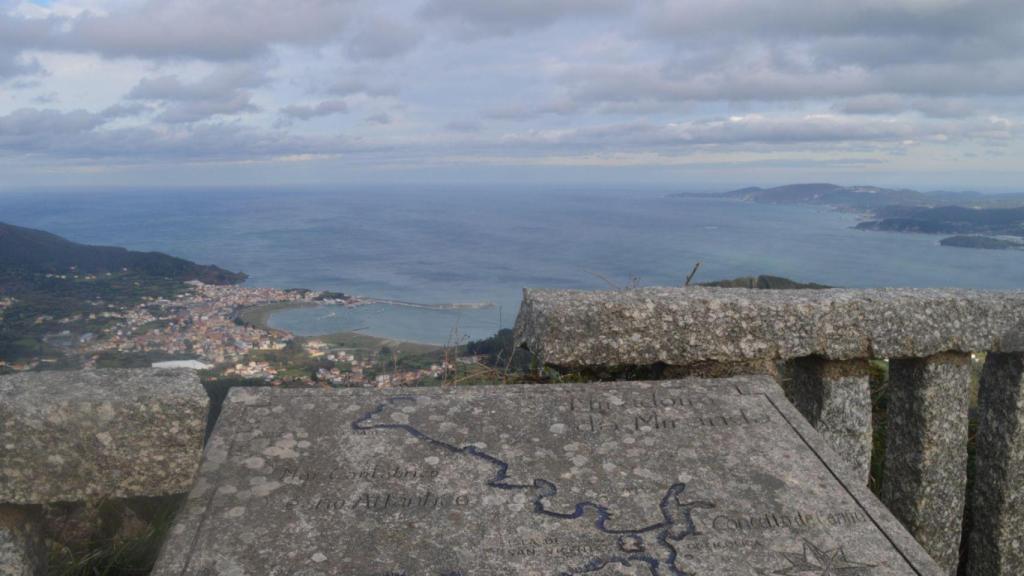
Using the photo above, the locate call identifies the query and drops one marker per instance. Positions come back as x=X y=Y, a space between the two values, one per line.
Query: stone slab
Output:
x=683 y=326
x=669 y=478
x=88 y=435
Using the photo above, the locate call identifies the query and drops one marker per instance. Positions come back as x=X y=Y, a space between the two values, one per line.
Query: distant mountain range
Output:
x=827 y=194
x=975 y=218
x=870 y=197
x=948 y=220
x=34 y=251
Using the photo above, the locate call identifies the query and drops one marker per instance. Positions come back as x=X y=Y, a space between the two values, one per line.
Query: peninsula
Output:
x=975 y=220
x=68 y=305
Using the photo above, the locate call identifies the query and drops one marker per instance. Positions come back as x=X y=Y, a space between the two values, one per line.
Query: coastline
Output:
x=870 y=220
x=259 y=316
x=455 y=306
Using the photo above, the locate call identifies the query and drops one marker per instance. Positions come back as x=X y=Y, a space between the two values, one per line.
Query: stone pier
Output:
x=925 y=474
x=997 y=538
x=835 y=397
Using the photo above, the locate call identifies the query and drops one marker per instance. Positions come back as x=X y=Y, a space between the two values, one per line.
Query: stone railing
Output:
x=826 y=339
x=80 y=438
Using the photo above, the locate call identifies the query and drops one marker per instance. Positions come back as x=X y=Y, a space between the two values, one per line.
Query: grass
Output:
x=879 y=383
x=111 y=555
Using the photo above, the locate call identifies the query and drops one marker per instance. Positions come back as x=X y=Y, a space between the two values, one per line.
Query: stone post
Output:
x=997 y=536
x=925 y=473
x=835 y=398
x=77 y=437
x=96 y=434
x=22 y=549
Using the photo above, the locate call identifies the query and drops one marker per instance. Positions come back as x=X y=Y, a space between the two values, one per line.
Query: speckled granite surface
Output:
x=678 y=477
x=86 y=435
x=681 y=326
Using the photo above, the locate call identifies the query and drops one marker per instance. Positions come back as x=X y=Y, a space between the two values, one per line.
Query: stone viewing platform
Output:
x=761 y=473
x=822 y=340
x=87 y=436
x=671 y=478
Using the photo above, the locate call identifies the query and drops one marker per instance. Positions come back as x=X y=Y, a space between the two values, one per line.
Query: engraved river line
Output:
x=650 y=545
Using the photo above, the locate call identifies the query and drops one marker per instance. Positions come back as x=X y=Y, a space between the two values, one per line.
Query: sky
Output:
x=681 y=93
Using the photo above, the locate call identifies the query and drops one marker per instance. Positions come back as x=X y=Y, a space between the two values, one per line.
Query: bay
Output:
x=463 y=244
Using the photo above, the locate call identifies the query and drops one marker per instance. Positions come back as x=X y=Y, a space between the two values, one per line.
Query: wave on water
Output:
x=452 y=306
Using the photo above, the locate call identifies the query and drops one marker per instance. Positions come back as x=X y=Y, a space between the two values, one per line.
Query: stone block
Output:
x=88 y=435
x=835 y=397
x=683 y=326
x=925 y=474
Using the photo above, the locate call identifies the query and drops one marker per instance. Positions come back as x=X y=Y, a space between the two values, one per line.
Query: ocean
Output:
x=445 y=245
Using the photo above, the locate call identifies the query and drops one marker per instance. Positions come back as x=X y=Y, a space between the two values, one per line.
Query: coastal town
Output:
x=205 y=328
x=201 y=322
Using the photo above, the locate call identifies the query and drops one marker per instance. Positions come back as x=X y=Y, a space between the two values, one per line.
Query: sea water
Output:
x=445 y=245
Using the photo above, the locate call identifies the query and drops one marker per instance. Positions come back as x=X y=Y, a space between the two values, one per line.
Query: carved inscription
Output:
x=654 y=411
x=647 y=481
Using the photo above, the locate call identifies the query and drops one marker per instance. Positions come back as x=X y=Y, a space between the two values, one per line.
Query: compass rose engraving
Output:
x=816 y=561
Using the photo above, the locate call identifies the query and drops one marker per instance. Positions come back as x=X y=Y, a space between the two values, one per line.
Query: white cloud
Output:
x=208 y=29
x=81 y=135
x=758 y=129
x=225 y=92
x=476 y=19
x=16 y=36
x=378 y=38
x=307 y=111
x=417 y=80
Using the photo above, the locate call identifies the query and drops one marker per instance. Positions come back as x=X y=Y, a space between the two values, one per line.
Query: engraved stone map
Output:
x=696 y=477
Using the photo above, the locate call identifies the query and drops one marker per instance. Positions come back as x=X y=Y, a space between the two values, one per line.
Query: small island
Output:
x=981 y=242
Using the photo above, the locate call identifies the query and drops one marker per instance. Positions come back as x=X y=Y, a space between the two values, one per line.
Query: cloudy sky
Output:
x=923 y=93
